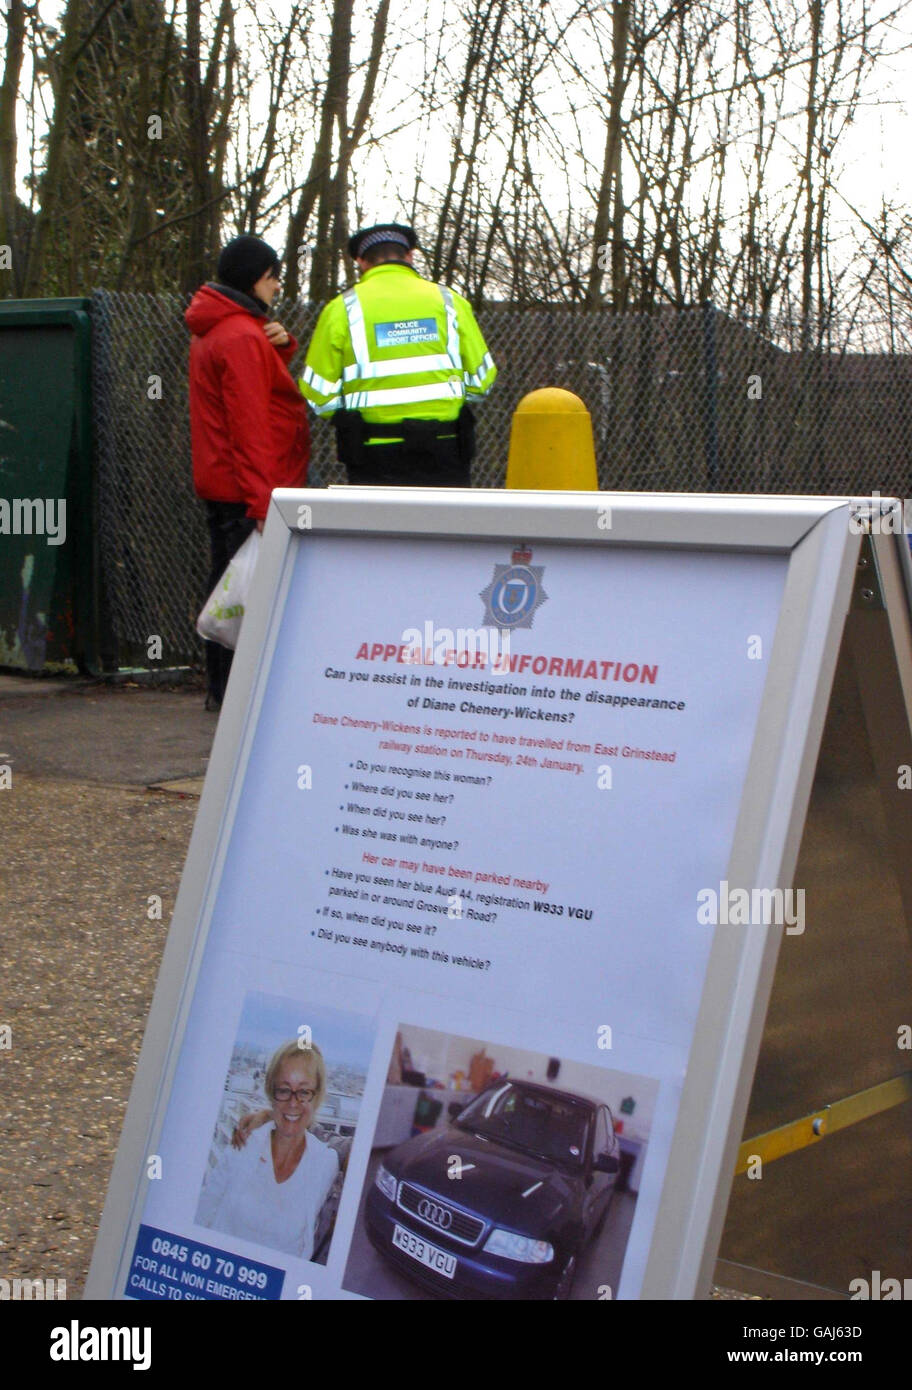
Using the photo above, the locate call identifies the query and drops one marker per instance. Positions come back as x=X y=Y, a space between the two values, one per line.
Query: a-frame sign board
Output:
x=484 y=898
x=832 y=1084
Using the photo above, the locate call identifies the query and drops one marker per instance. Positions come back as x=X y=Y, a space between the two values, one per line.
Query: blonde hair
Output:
x=310 y=1054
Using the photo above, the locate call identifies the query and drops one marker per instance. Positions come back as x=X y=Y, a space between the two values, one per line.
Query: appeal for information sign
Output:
x=440 y=1028
x=449 y=938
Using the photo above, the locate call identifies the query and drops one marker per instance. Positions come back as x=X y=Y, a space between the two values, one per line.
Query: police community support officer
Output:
x=392 y=360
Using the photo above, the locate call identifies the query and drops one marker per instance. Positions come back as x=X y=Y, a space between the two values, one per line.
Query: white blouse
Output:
x=242 y=1198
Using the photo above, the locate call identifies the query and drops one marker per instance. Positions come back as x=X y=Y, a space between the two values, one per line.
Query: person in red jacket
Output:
x=248 y=420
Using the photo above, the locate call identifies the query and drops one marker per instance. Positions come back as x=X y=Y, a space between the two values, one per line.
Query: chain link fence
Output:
x=680 y=401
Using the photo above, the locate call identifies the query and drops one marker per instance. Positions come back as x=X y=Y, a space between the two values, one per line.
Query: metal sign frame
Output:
x=822 y=550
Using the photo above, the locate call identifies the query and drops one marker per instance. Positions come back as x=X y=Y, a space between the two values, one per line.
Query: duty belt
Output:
x=412 y=431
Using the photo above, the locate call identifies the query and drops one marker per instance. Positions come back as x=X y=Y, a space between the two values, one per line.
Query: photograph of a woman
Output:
x=271 y=1190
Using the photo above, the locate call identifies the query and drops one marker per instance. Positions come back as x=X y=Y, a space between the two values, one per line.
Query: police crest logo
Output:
x=515 y=593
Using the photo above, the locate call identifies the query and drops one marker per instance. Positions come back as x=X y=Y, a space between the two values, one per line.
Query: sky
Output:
x=341 y=1037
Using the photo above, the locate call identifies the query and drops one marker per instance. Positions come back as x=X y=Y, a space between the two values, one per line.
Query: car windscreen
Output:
x=550 y=1127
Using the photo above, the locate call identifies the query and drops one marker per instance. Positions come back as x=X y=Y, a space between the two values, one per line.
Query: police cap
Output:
x=384 y=232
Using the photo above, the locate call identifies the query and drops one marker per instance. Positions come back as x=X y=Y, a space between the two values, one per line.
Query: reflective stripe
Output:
x=319 y=383
x=477 y=379
x=356 y=327
x=452 y=328
x=399 y=366
x=405 y=395
x=328 y=407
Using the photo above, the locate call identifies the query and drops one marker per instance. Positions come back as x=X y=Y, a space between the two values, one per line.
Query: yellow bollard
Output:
x=551 y=443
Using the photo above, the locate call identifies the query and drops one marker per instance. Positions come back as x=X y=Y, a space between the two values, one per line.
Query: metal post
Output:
x=710 y=397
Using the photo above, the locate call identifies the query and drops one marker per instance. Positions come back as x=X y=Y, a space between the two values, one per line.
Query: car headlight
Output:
x=386 y=1183
x=513 y=1247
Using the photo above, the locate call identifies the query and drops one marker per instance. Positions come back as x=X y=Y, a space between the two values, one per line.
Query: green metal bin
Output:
x=48 y=571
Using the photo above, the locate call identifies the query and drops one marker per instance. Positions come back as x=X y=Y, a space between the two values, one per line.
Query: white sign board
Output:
x=469 y=965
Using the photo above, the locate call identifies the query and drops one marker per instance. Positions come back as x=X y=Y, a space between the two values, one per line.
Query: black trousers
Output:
x=229 y=527
x=430 y=453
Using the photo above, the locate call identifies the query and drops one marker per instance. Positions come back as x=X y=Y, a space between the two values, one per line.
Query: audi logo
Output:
x=435 y=1213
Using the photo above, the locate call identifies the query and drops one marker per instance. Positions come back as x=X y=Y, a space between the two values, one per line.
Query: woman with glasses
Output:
x=272 y=1190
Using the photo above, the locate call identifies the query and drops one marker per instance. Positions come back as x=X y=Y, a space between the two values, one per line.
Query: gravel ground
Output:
x=78 y=950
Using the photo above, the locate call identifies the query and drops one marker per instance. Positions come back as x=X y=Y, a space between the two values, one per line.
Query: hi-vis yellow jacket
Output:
x=396 y=347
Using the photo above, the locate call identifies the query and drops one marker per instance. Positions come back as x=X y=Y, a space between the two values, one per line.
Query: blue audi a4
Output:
x=500 y=1203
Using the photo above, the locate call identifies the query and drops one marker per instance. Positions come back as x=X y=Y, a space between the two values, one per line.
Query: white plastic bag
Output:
x=220 y=620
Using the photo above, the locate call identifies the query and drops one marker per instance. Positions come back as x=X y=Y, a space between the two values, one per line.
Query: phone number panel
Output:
x=168 y=1267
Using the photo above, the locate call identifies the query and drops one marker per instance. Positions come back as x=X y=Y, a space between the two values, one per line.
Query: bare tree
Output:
x=10 y=231
x=324 y=193
x=645 y=154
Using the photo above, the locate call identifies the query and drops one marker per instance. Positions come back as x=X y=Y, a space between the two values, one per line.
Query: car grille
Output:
x=432 y=1211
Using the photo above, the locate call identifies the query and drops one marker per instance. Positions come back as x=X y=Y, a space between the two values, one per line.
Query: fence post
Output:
x=103 y=502
x=710 y=397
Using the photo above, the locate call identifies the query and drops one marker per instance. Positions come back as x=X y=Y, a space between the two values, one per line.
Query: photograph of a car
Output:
x=499 y=1172
x=502 y=1202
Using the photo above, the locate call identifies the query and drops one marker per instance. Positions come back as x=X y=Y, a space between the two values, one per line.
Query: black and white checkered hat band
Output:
x=375 y=238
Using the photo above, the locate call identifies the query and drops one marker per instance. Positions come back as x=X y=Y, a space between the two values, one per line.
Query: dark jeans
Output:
x=229 y=527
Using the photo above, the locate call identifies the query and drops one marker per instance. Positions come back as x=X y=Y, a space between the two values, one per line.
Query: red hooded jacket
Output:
x=248 y=420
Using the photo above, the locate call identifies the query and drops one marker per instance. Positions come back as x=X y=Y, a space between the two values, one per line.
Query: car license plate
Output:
x=425 y=1253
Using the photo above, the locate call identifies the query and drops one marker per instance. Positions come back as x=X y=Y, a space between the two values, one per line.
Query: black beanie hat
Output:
x=245 y=260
